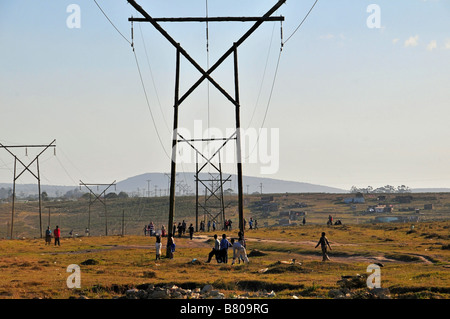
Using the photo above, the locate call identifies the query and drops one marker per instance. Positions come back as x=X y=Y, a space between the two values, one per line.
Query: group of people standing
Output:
x=212 y=224
x=181 y=229
x=149 y=230
x=252 y=223
x=170 y=246
x=330 y=221
x=220 y=249
x=56 y=234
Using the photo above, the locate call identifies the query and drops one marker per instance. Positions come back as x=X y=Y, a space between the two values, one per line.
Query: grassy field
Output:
x=138 y=212
x=416 y=262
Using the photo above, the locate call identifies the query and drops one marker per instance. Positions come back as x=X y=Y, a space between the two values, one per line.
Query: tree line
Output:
x=384 y=189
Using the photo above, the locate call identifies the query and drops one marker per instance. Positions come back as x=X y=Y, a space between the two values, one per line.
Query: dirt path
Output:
x=374 y=259
x=200 y=241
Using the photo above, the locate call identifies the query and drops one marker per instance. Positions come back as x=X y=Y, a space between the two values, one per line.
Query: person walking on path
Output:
x=158 y=246
x=48 y=236
x=57 y=235
x=170 y=246
x=324 y=243
x=191 y=231
x=180 y=230
x=215 y=251
x=224 y=245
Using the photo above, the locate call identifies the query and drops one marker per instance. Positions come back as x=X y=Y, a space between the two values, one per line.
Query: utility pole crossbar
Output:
x=209 y=19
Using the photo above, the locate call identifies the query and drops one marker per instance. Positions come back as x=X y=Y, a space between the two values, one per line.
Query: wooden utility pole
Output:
x=206 y=75
x=27 y=168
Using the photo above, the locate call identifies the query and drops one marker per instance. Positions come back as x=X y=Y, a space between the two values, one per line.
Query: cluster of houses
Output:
x=266 y=204
x=384 y=207
x=380 y=208
x=291 y=217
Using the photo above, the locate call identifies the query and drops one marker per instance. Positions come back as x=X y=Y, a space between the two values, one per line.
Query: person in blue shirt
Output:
x=224 y=245
x=48 y=236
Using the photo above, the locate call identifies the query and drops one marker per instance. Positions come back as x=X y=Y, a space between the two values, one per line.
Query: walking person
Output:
x=183 y=225
x=180 y=229
x=191 y=231
x=324 y=243
x=215 y=250
x=170 y=246
x=158 y=246
x=145 y=230
x=224 y=245
x=57 y=235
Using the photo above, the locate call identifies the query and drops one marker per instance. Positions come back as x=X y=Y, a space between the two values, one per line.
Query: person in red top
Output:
x=57 y=235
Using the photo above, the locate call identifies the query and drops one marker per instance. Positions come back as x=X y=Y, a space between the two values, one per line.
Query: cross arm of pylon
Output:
x=205 y=74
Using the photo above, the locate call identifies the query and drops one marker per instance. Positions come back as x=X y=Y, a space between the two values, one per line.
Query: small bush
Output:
x=256 y=253
x=90 y=262
x=149 y=274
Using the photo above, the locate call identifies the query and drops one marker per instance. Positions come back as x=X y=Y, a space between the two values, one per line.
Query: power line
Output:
x=70 y=162
x=276 y=71
x=268 y=103
x=65 y=170
x=148 y=103
x=301 y=23
x=263 y=77
x=153 y=80
x=106 y=16
x=140 y=74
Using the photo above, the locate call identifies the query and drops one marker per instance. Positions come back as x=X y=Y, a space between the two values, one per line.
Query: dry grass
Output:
x=415 y=265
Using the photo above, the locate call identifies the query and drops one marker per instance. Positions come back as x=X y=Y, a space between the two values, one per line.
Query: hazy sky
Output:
x=352 y=105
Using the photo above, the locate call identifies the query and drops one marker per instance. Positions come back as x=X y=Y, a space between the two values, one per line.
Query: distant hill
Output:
x=186 y=184
x=430 y=190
